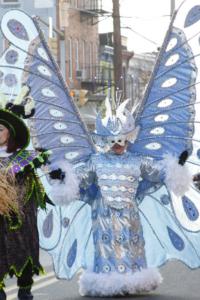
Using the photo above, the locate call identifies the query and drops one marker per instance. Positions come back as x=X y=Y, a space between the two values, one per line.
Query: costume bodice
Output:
x=117 y=178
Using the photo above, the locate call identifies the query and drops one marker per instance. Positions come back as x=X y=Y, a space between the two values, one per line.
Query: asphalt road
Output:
x=180 y=283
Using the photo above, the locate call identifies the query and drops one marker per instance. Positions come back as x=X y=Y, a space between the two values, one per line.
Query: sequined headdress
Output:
x=118 y=125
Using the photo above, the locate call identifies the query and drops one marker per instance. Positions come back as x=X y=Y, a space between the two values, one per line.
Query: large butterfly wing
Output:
x=65 y=232
x=165 y=237
x=56 y=125
x=169 y=114
x=169 y=117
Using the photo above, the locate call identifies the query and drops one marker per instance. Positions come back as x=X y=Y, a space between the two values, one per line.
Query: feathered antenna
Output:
x=135 y=106
x=119 y=95
x=109 y=111
x=120 y=110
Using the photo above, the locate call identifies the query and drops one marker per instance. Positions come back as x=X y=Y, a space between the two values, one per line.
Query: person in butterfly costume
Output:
x=113 y=176
x=109 y=182
x=126 y=221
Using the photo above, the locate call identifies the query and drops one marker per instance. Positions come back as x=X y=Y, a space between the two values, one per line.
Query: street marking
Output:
x=35 y=287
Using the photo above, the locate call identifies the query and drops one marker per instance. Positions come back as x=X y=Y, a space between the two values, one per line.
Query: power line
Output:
x=141 y=35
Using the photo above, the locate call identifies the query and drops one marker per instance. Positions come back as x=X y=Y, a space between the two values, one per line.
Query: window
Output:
x=75 y=4
x=76 y=48
x=83 y=54
x=69 y=57
x=90 y=59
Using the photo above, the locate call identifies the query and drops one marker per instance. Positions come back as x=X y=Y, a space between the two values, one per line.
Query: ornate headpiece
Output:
x=118 y=125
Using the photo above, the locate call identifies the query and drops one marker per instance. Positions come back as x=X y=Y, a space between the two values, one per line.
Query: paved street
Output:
x=179 y=284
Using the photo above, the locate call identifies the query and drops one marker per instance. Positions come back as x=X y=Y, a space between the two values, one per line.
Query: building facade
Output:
x=78 y=19
x=138 y=75
x=107 y=62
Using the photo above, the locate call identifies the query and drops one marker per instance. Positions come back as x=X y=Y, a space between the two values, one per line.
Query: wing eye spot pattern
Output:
x=165 y=199
x=176 y=240
x=43 y=70
x=42 y=53
x=60 y=126
x=190 y=209
x=71 y=155
x=172 y=60
x=157 y=130
x=11 y=57
x=153 y=146
x=48 y=93
x=65 y=139
x=169 y=82
x=56 y=113
x=10 y=80
x=165 y=103
x=161 y=118
x=172 y=43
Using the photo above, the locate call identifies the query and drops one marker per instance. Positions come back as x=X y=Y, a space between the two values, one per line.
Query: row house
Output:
x=138 y=75
x=107 y=62
x=79 y=21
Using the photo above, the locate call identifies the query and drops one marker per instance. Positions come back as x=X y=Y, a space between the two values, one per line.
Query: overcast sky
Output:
x=149 y=18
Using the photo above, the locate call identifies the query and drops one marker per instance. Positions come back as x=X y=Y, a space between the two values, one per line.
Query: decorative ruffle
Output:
x=112 y=284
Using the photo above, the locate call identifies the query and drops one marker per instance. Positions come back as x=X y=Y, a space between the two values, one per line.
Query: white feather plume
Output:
x=177 y=177
x=63 y=192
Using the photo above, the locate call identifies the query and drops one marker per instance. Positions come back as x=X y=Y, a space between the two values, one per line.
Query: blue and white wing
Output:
x=56 y=125
x=169 y=113
x=65 y=232
x=169 y=116
x=165 y=237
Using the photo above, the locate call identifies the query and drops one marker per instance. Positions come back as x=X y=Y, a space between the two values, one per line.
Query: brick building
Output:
x=138 y=76
x=78 y=19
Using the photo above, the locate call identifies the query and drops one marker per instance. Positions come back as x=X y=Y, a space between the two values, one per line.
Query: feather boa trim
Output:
x=112 y=284
x=67 y=190
x=177 y=177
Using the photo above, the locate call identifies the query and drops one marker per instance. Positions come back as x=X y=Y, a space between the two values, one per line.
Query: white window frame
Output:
x=83 y=54
x=70 y=66
x=76 y=51
x=90 y=58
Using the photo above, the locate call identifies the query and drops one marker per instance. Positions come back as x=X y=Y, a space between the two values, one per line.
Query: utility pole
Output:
x=172 y=7
x=118 y=79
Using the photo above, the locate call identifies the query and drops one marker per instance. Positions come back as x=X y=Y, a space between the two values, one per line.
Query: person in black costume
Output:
x=21 y=193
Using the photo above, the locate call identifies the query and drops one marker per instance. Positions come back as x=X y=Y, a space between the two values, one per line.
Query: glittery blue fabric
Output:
x=117 y=232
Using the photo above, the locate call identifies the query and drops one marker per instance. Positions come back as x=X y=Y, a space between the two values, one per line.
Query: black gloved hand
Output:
x=41 y=149
x=196 y=177
x=183 y=157
x=19 y=110
x=196 y=180
x=57 y=174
